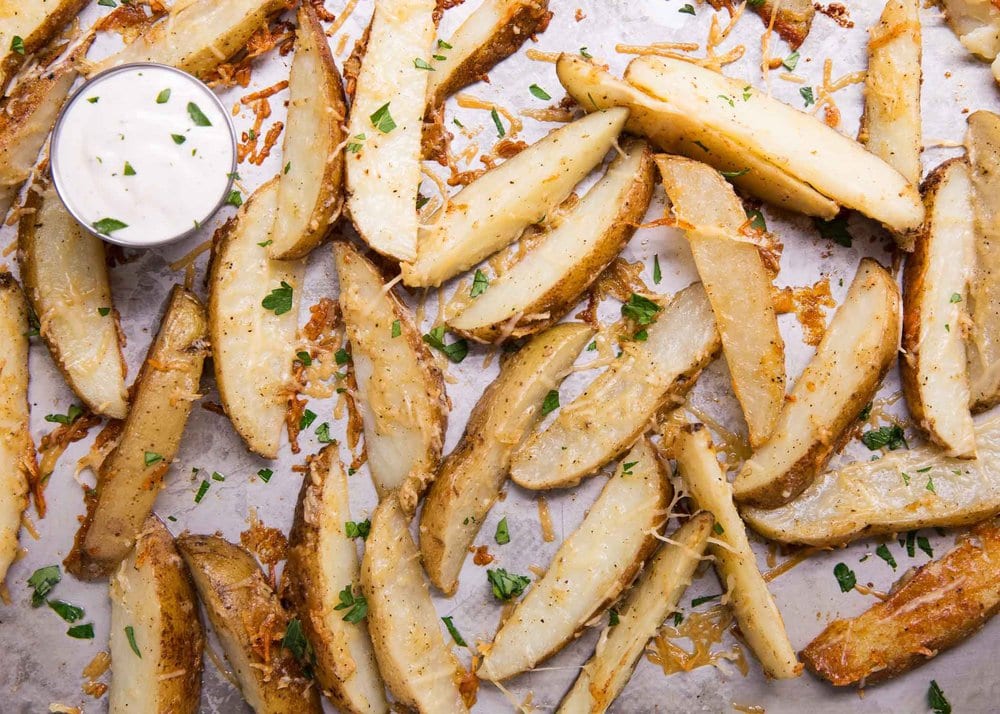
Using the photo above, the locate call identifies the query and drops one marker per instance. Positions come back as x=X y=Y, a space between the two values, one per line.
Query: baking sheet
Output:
x=42 y=665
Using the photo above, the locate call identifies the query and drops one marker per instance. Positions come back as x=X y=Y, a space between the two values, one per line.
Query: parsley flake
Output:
x=845 y=577
x=453 y=631
x=197 y=115
x=479 y=284
x=163 y=97
x=382 y=120
x=455 y=352
x=551 y=402
x=506 y=585
x=358 y=529
x=280 y=299
x=42 y=581
x=502 y=535
x=537 y=91
x=130 y=634
x=499 y=124
x=356 y=605
x=640 y=309
x=107 y=226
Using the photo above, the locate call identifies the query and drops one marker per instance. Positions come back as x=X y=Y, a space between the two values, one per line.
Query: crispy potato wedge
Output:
x=311 y=191
x=65 y=275
x=594 y=88
x=594 y=565
x=934 y=368
x=243 y=608
x=253 y=347
x=549 y=278
x=738 y=286
x=132 y=474
x=890 y=124
x=756 y=613
x=492 y=33
x=17 y=452
x=322 y=560
x=386 y=119
x=401 y=393
x=982 y=142
x=653 y=597
x=904 y=490
x=471 y=476
x=976 y=23
x=199 y=36
x=492 y=211
x=792 y=21
x=615 y=409
x=412 y=654
x=844 y=374
x=35 y=22
x=156 y=633
x=944 y=602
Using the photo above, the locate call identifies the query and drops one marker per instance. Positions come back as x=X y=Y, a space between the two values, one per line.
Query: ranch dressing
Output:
x=143 y=154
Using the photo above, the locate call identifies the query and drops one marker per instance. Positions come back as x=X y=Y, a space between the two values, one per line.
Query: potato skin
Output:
x=64 y=12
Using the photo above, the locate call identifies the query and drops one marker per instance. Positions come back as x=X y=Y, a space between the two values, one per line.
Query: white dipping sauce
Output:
x=143 y=154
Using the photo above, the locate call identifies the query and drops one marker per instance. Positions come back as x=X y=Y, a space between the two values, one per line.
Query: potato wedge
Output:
x=615 y=409
x=756 y=613
x=796 y=142
x=253 y=347
x=982 y=142
x=386 y=119
x=401 y=391
x=934 y=370
x=199 y=36
x=492 y=211
x=412 y=654
x=492 y=33
x=591 y=568
x=249 y=621
x=738 y=286
x=940 y=605
x=132 y=474
x=35 y=22
x=156 y=633
x=17 y=452
x=653 y=597
x=594 y=88
x=890 y=124
x=792 y=18
x=904 y=490
x=547 y=281
x=844 y=374
x=65 y=275
x=322 y=561
x=976 y=23
x=311 y=191
x=471 y=476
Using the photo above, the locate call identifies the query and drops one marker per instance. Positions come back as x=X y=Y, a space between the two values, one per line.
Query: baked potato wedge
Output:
x=401 y=393
x=933 y=369
x=492 y=33
x=757 y=615
x=471 y=476
x=844 y=374
x=311 y=190
x=65 y=275
x=616 y=408
x=976 y=23
x=156 y=633
x=386 y=120
x=35 y=23
x=738 y=286
x=17 y=451
x=591 y=568
x=250 y=623
x=792 y=18
x=940 y=605
x=322 y=560
x=648 y=603
x=595 y=89
x=130 y=477
x=549 y=278
x=493 y=211
x=198 y=36
x=890 y=124
x=253 y=347
x=902 y=491
x=413 y=657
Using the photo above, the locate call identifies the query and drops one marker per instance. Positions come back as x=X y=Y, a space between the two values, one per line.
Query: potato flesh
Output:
x=417 y=665
x=844 y=374
x=492 y=211
x=581 y=237
x=590 y=569
x=471 y=476
x=977 y=24
x=253 y=348
x=615 y=408
x=35 y=22
x=756 y=613
x=654 y=596
x=876 y=498
x=738 y=286
x=383 y=175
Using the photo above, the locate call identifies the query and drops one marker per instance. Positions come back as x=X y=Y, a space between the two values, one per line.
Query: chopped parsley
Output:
x=107 y=3
x=67 y=611
x=890 y=437
x=280 y=299
x=307 y=418
x=613 y=618
x=342 y=356
x=82 y=632
x=356 y=605
x=163 y=97
x=757 y=221
x=955 y=297
x=128 y=170
x=657 y=273
x=130 y=634
x=295 y=642
x=640 y=309
x=107 y=226
x=537 y=91
x=323 y=433
x=502 y=535
x=304 y=357
x=422 y=201
x=936 y=699
x=202 y=490
x=443 y=45
x=197 y=115
x=506 y=585
x=235 y=198
x=358 y=529
x=42 y=581
x=883 y=552
x=703 y=599
x=397 y=328
x=930 y=485
x=585 y=54
x=845 y=577
x=453 y=631
x=925 y=545
x=718 y=529
x=479 y=284
x=736 y=174
x=382 y=120
x=288 y=167
x=17 y=44
x=66 y=419
x=791 y=61
x=627 y=467
x=835 y=230
x=551 y=402
x=688 y=9
x=216 y=476
x=178 y=138
x=151 y=457
x=807 y=95
x=265 y=475
x=421 y=64
x=496 y=121
x=93 y=100
x=865 y=413
x=455 y=352
x=355 y=146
